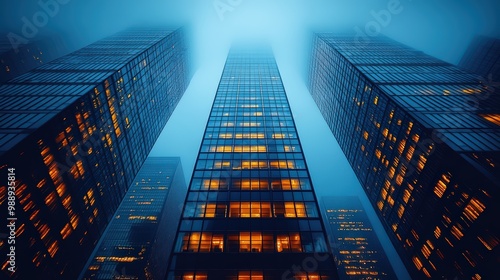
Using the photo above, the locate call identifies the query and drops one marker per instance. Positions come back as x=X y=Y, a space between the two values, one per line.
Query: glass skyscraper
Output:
x=20 y=58
x=138 y=241
x=355 y=245
x=251 y=213
x=77 y=130
x=483 y=57
x=423 y=139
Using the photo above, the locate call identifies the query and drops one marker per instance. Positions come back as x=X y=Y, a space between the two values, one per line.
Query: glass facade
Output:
x=357 y=249
x=20 y=58
x=138 y=241
x=77 y=130
x=483 y=57
x=422 y=137
x=251 y=212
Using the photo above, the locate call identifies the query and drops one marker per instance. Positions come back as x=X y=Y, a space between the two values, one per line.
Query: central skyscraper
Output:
x=251 y=212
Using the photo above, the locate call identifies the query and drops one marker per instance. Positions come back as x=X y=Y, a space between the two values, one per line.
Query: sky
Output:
x=441 y=28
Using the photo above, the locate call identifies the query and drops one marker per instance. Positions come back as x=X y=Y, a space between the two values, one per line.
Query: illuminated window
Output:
x=282 y=164
x=247 y=184
x=286 y=243
x=492 y=118
x=193 y=276
x=250 y=275
x=213 y=184
x=255 y=242
x=249 y=124
x=473 y=209
x=250 y=210
x=249 y=135
x=253 y=164
x=441 y=185
x=202 y=242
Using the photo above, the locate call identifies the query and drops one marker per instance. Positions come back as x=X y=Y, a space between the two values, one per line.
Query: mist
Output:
x=441 y=28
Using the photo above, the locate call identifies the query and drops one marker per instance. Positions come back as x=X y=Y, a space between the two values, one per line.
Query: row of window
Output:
x=246 y=275
x=251 y=184
x=248 y=209
x=254 y=242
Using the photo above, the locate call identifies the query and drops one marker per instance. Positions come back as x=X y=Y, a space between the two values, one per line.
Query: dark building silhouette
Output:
x=138 y=241
x=251 y=212
x=422 y=137
x=77 y=130
x=355 y=245
x=20 y=58
x=483 y=57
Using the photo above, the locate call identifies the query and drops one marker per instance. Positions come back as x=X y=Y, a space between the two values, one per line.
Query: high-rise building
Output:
x=76 y=131
x=422 y=136
x=251 y=212
x=355 y=245
x=20 y=58
x=138 y=241
x=483 y=57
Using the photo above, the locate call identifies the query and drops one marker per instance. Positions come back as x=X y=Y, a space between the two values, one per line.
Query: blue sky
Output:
x=441 y=28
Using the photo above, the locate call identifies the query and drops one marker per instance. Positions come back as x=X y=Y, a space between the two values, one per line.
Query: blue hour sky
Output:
x=441 y=28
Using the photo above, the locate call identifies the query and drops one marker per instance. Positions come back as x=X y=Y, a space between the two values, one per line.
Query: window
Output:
x=288 y=243
x=201 y=242
x=250 y=210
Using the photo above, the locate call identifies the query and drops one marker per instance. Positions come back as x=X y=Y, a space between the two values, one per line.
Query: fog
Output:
x=441 y=28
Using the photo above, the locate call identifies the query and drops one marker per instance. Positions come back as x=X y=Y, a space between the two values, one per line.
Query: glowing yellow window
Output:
x=218 y=243
x=290 y=210
x=192 y=276
x=492 y=118
x=289 y=149
x=250 y=275
x=205 y=242
x=222 y=164
x=245 y=209
x=283 y=243
x=210 y=210
x=282 y=164
x=253 y=164
x=300 y=209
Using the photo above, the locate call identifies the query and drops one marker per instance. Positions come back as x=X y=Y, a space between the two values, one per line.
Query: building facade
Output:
x=483 y=57
x=422 y=136
x=20 y=58
x=76 y=131
x=251 y=212
x=138 y=241
x=355 y=245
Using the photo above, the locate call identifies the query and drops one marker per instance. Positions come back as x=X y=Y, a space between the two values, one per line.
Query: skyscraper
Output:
x=483 y=57
x=356 y=247
x=423 y=139
x=76 y=131
x=19 y=59
x=251 y=212
x=138 y=241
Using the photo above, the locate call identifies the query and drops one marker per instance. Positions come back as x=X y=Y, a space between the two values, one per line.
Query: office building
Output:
x=20 y=58
x=483 y=57
x=251 y=212
x=77 y=130
x=355 y=245
x=138 y=241
x=422 y=137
